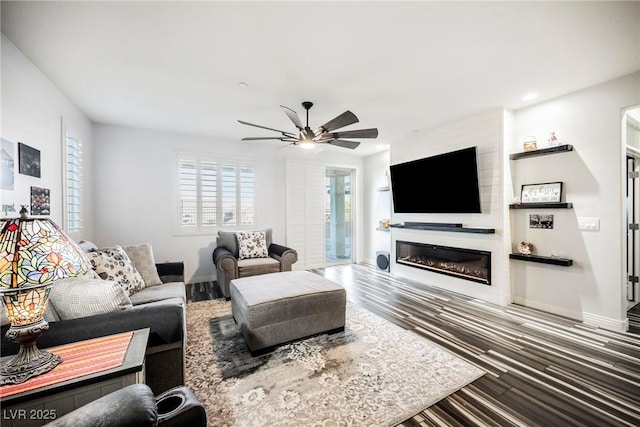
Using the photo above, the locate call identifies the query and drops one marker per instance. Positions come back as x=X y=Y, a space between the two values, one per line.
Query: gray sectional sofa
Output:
x=160 y=307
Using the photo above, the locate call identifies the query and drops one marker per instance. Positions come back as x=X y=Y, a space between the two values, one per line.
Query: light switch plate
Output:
x=589 y=223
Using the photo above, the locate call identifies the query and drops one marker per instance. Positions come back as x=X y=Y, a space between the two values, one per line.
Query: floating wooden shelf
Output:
x=542 y=152
x=548 y=205
x=382 y=228
x=565 y=262
x=446 y=228
x=385 y=188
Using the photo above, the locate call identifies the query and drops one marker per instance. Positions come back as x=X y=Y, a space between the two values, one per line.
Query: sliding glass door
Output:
x=339 y=215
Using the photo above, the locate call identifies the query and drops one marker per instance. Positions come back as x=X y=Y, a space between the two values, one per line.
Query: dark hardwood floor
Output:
x=542 y=369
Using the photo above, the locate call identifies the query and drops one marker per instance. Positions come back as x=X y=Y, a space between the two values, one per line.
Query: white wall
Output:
x=135 y=173
x=33 y=110
x=590 y=119
x=486 y=131
x=376 y=206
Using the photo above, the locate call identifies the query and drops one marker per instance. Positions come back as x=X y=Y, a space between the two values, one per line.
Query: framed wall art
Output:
x=7 y=159
x=544 y=221
x=548 y=192
x=28 y=160
x=40 y=201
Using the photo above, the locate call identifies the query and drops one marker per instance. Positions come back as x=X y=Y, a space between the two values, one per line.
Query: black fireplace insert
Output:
x=468 y=264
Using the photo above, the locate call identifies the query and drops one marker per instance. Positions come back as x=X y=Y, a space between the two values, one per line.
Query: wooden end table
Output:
x=43 y=404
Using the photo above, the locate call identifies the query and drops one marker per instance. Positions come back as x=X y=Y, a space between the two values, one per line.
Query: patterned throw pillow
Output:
x=252 y=244
x=114 y=264
x=142 y=258
x=76 y=297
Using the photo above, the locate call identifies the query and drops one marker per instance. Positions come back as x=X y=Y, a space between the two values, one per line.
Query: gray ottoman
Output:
x=276 y=308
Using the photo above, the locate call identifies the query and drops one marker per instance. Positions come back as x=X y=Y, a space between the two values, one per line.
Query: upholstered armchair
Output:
x=249 y=253
x=136 y=406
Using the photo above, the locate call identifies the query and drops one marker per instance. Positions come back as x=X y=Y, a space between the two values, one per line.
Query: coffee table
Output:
x=49 y=396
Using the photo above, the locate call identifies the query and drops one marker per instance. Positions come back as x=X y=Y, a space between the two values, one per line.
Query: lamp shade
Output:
x=35 y=251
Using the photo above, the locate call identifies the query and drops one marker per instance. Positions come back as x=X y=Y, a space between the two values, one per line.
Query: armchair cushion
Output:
x=255 y=266
x=252 y=244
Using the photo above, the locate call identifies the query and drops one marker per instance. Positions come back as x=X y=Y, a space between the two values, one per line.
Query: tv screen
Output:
x=446 y=183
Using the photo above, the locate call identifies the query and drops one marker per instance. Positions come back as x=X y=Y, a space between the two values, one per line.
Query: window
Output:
x=214 y=193
x=73 y=184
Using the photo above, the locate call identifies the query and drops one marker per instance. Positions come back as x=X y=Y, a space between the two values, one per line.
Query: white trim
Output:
x=579 y=316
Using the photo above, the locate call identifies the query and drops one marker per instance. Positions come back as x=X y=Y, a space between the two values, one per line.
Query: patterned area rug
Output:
x=374 y=373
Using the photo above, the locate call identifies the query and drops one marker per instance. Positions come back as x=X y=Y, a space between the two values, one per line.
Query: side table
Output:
x=56 y=393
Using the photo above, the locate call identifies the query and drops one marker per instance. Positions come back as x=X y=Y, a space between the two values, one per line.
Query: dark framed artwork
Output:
x=544 y=221
x=548 y=192
x=7 y=161
x=28 y=160
x=40 y=201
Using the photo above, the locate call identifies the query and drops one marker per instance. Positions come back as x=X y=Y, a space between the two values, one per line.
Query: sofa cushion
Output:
x=252 y=244
x=142 y=258
x=76 y=297
x=114 y=264
x=159 y=293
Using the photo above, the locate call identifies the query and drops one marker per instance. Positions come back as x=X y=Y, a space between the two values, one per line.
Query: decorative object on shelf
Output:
x=548 y=192
x=544 y=221
x=28 y=160
x=35 y=253
x=525 y=248
x=384 y=223
x=530 y=143
x=553 y=140
x=40 y=201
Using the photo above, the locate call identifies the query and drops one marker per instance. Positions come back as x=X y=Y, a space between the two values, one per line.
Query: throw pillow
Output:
x=114 y=264
x=142 y=258
x=76 y=297
x=252 y=244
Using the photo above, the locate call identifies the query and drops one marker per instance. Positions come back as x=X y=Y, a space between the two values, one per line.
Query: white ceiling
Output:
x=399 y=66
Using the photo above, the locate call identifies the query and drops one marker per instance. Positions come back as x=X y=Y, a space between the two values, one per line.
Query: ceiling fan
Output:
x=308 y=138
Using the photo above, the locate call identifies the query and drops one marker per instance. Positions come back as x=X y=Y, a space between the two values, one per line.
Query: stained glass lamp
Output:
x=34 y=253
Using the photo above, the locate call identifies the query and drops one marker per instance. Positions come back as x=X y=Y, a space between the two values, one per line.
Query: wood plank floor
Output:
x=542 y=370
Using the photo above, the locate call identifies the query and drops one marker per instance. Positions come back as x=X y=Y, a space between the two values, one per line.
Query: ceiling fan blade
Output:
x=344 y=144
x=360 y=133
x=262 y=138
x=293 y=116
x=285 y=133
x=345 y=119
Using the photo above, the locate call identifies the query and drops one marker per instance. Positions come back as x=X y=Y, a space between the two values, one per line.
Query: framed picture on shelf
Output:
x=28 y=160
x=544 y=221
x=548 y=192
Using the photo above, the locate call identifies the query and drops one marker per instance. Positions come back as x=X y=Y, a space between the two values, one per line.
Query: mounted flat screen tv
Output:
x=446 y=183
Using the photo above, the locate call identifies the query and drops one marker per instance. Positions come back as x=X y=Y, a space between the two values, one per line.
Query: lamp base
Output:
x=30 y=360
x=28 y=363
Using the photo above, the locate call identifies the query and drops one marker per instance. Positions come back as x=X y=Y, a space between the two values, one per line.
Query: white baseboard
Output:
x=588 y=318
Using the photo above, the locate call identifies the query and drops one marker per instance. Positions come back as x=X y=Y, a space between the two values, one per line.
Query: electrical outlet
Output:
x=589 y=223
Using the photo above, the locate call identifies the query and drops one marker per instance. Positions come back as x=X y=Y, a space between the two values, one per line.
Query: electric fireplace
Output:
x=468 y=264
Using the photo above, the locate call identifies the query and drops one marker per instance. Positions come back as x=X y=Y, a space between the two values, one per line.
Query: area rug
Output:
x=374 y=373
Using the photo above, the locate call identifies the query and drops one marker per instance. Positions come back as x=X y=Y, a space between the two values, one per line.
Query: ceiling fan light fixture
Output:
x=307 y=145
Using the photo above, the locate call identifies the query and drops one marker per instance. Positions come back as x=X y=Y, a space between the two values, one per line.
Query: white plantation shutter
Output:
x=209 y=181
x=214 y=194
x=73 y=184
x=247 y=195
x=305 y=212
